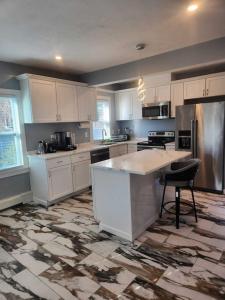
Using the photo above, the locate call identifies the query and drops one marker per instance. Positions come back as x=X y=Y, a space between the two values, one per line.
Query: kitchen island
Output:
x=126 y=190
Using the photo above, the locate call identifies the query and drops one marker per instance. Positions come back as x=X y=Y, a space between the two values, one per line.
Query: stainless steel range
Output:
x=157 y=139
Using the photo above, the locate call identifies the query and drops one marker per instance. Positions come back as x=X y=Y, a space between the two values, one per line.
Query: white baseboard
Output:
x=11 y=201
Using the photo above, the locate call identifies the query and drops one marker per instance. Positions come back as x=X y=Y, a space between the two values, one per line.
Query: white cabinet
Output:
x=81 y=175
x=123 y=102
x=194 y=89
x=48 y=100
x=131 y=148
x=66 y=102
x=177 y=97
x=149 y=95
x=43 y=102
x=136 y=106
x=86 y=98
x=215 y=86
x=117 y=150
x=162 y=93
x=128 y=106
x=60 y=182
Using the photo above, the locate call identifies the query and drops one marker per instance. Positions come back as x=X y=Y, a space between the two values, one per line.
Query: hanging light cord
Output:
x=141 y=85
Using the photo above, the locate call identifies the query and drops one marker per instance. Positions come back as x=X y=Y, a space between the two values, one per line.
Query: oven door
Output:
x=154 y=111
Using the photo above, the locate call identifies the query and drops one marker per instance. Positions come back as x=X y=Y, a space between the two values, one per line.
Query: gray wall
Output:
x=14 y=185
x=8 y=71
x=140 y=128
x=37 y=132
x=183 y=58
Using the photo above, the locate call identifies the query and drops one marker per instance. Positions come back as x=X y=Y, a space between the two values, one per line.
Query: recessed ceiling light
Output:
x=58 y=57
x=192 y=7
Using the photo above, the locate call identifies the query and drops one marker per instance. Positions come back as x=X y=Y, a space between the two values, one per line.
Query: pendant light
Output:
x=141 y=85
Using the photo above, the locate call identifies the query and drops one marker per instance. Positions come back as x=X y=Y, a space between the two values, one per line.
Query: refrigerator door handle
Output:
x=194 y=125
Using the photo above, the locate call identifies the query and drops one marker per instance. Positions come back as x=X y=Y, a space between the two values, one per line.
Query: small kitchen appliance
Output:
x=63 y=141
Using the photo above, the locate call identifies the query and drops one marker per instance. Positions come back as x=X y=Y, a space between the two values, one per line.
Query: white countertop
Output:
x=142 y=162
x=84 y=147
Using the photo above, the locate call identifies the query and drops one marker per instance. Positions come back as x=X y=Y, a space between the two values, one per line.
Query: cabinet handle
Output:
x=49 y=174
x=57 y=117
x=59 y=162
x=207 y=92
x=203 y=92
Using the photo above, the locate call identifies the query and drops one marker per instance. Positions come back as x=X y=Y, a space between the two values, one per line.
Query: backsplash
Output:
x=37 y=132
x=140 y=128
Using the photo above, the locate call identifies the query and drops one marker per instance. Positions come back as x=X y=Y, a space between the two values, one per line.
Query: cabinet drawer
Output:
x=122 y=149
x=80 y=157
x=56 y=162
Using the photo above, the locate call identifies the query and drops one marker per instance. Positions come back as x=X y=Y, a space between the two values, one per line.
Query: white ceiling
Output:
x=95 y=34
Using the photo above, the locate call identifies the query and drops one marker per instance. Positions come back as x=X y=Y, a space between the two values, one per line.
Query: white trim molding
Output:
x=14 y=200
x=13 y=171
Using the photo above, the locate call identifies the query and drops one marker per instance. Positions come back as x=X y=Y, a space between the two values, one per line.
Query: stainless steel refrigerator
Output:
x=200 y=129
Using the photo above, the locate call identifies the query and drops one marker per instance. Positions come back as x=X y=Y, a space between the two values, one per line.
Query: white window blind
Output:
x=10 y=136
x=103 y=120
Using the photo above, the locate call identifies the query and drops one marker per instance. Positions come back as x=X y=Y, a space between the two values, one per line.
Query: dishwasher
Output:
x=99 y=155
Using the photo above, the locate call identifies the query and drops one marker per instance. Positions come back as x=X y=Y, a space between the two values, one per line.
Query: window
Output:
x=11 y=154
x=102 y=125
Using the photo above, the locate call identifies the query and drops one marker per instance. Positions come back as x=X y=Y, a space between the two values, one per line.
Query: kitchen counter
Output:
x=84 y=147
x=142 y=162
x=126 y=190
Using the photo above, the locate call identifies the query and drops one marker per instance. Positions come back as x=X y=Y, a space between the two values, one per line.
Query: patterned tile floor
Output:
x=59 y=254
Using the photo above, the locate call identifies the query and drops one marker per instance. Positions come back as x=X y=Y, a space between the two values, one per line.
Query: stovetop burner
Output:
x=157 y=139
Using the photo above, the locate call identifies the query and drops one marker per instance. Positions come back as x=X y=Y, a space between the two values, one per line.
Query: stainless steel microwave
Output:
x=154 y=111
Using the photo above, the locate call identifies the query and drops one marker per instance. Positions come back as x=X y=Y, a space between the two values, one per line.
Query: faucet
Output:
x=104 y=133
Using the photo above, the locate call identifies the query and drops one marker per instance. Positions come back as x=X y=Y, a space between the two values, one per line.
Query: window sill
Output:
x=14 y=171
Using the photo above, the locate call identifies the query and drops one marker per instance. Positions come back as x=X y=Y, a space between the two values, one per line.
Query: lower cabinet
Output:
x=81 y=175
x=60 y=182
x=131 y=148
x=117 y=150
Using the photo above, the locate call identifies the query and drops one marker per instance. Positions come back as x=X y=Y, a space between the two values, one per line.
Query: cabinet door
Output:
x=60 y=182
x=92 y=105
x=81 y=175
x=83 y=107
x=215 y=86
x=150 y=95
x=43 y=98
x=194 y=89
x=66 y=102
x=124 y=106
x=177 y=97
x=86 y=103
x=162 y=93
x=136 y=106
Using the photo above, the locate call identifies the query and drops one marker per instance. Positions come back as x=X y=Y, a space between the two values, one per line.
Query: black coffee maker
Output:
x=63 y=141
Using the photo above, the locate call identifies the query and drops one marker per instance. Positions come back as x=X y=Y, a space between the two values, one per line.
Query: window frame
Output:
x=22 y=168
x=108 y=98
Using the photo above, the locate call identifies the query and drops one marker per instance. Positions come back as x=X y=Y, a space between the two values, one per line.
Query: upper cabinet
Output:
x=47 y=100
x=128 y=107
x=204 y=87
x=194 y=89
x=215 y=86
x=40 y=104
x=86 y=103
x=66 y=102
x=157 y=94
x=162 y=93
x=177 y=97
x=123 y=102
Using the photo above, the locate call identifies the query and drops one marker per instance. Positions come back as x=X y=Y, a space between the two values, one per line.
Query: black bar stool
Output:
x=181 y=175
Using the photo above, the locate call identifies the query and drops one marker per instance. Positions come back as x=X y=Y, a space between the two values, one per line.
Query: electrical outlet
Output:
x=86 y=134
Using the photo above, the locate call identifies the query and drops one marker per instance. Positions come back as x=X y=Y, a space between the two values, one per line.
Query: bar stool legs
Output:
x=193 y=199
x=164 y=190
x=177 y=207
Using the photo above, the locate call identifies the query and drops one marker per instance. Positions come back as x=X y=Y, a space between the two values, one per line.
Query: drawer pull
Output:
x=59 y=162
